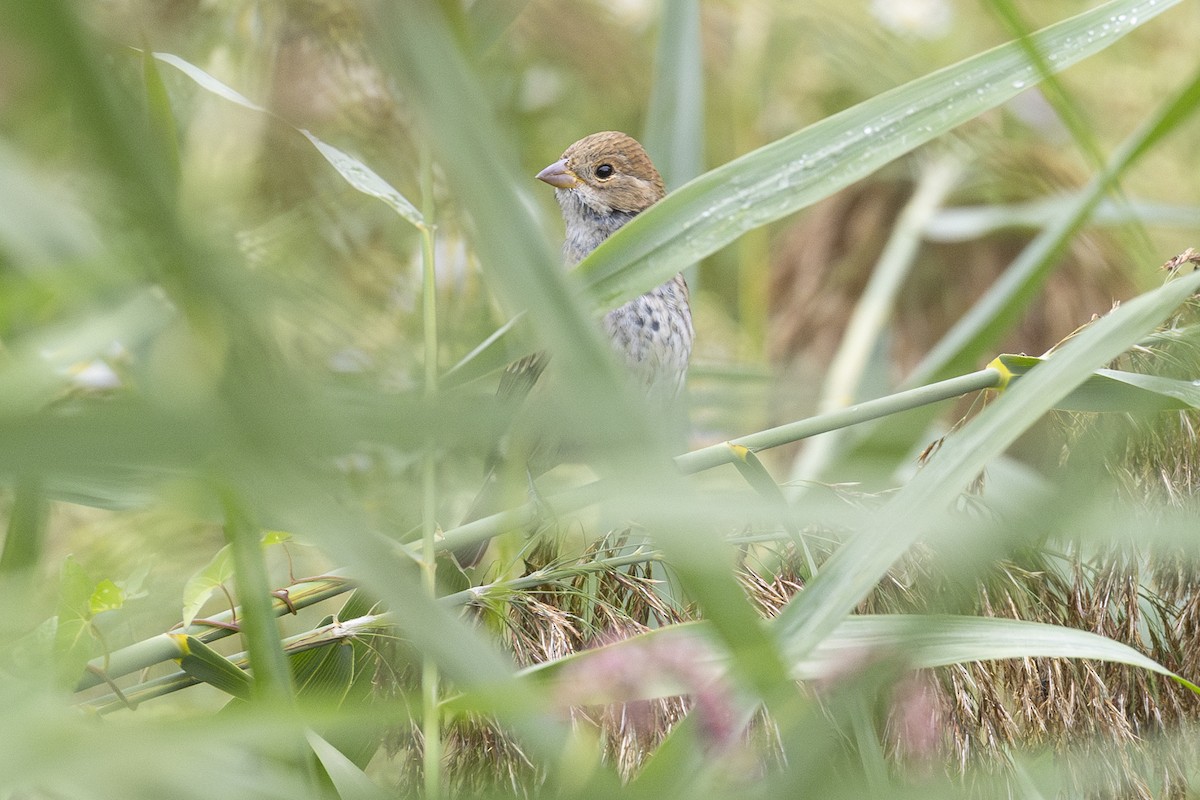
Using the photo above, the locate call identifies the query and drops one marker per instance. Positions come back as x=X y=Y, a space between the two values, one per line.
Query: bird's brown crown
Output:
x=613 y=168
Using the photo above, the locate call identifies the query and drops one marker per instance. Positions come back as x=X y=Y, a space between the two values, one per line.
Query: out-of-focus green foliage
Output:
x=259 y=263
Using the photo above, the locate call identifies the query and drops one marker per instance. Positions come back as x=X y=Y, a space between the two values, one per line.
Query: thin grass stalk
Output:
x=431 y=717
x=167 y=647
x=1056 y=94
x=717 y=454
x=727 y=452
x=163 y=647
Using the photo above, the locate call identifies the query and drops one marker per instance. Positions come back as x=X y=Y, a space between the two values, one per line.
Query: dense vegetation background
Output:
x=261 y=265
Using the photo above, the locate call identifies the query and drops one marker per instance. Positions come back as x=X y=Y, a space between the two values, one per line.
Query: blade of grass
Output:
x=978 y=330
x=784 y=176
x=1052 y=88
x=348 y=779
x=272 y=674
x=919 y=641
x=859 y=564
x=353 y=170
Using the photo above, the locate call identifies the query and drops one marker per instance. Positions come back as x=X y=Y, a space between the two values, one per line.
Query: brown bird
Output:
x=601 y=182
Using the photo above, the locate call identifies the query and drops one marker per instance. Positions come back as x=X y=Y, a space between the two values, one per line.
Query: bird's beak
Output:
x=558 y=175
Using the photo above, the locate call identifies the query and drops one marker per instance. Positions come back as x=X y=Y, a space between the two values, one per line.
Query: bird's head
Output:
x=607 y=172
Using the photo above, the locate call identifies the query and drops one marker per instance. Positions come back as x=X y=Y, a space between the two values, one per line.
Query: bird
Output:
x=601 y=182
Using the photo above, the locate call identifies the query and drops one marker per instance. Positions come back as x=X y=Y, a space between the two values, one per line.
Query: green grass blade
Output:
x=347 y=778
x=941 y=640
x=917 y=640
x=355 y=171
x=272 y=673
x=1052 y=88
x=858 y=564
x=366 y=180
x=1004 y=303
x=210 y=83
x=793 y=172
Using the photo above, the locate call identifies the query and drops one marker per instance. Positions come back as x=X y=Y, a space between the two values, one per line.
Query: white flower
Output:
x=94 y=374
x=925 y=19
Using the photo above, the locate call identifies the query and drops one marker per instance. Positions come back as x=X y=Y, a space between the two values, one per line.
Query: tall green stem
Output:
x=431 y=720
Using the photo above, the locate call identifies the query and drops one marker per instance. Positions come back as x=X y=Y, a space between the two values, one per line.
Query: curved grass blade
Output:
x=366 y=180
x=793 y=172
x=209 y=83
x=1006 y=300
x=347 y=778
x=356 y=173
x=859 y=564
x=918 y=641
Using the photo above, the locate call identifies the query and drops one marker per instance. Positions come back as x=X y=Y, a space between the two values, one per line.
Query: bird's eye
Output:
x=604 y=171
